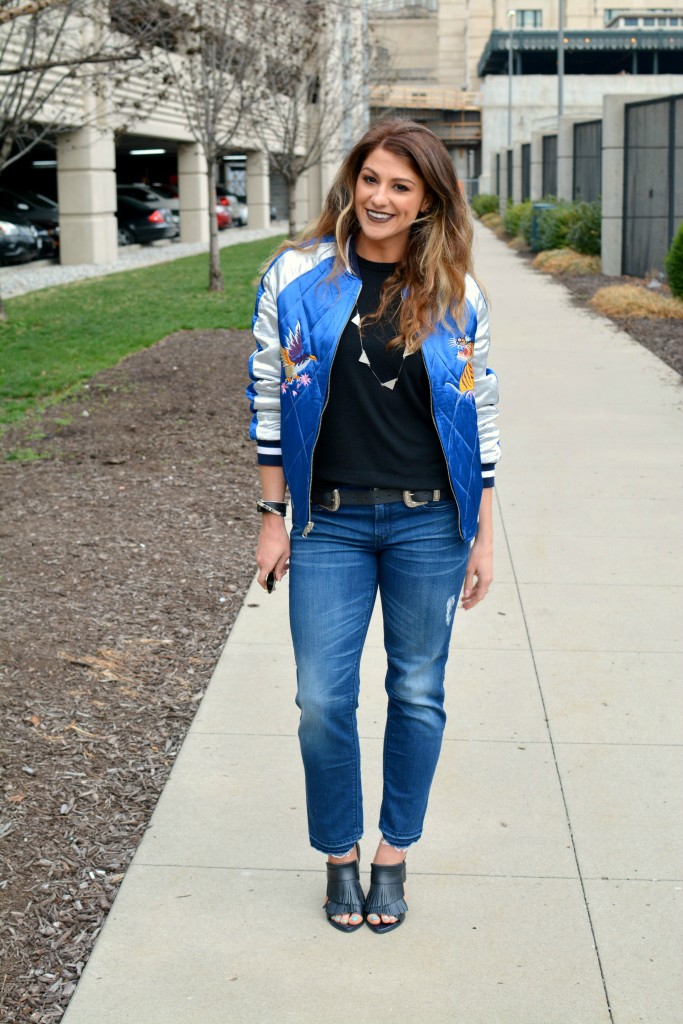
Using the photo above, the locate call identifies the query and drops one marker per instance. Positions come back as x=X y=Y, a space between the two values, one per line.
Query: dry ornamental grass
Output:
x=623 y=301
x=566 y=261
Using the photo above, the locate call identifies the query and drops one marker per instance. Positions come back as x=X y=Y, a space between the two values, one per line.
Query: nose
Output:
x=380 y=197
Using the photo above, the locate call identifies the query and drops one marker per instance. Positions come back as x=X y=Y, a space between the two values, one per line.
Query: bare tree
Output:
x=46 y=58
x=314 y=87
x=214 y=82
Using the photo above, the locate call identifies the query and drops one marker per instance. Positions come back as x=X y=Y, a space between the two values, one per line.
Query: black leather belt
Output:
x=332 y=499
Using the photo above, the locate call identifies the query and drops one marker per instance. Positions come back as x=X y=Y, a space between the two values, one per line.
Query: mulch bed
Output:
x=126 y=554
x=127 y=550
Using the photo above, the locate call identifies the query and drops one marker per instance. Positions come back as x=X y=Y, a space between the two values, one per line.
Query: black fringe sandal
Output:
x=385 y=895
x=344 y=893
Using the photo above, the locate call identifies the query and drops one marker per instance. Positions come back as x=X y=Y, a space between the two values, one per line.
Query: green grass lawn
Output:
x=60 y=336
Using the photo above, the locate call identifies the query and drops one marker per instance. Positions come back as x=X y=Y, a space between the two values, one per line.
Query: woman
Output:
x=373 y=402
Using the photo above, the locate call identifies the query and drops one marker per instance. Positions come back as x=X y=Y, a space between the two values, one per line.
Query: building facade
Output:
x=451 y=62
x=109 y=126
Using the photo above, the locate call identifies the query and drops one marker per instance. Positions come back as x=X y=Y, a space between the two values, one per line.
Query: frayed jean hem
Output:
x=343 y=850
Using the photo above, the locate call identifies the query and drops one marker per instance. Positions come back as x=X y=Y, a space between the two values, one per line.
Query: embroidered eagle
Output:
x=294 y=358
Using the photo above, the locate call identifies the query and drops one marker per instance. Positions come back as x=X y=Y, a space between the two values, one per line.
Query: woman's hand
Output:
x=272 y=550
x=480 y=564
x=479 y=575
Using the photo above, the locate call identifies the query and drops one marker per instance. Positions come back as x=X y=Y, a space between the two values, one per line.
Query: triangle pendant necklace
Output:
x=364 y=358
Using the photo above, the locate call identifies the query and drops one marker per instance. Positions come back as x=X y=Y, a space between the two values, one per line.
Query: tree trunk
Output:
x=291 y=200
x=215 y=272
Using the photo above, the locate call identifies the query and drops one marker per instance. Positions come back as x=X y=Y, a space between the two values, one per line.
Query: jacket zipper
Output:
x=448 y=468
x=309 y=522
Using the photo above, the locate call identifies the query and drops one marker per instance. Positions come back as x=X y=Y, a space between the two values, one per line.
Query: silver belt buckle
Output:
x=336 y=501
x=409 y=503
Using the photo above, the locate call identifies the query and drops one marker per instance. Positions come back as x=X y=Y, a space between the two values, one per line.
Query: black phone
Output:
x=270 y=581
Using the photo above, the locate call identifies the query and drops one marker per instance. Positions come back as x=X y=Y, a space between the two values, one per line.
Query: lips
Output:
x=378 y=218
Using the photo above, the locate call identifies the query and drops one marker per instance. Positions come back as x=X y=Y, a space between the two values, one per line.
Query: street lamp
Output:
x=511 y=15
x=560 y=61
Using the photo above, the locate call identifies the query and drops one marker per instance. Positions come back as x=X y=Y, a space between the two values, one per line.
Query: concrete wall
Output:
x=534 y=102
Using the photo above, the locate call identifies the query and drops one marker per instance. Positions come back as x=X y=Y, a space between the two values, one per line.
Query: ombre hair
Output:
x=431 y=275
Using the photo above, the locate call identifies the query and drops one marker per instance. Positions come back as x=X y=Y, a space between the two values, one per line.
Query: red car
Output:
x=223 y=217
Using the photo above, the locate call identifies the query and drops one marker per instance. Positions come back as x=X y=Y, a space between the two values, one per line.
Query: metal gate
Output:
x=587 y=163
x=653 y=182
x=509 y=175
x=549 y=165
x=526 y=171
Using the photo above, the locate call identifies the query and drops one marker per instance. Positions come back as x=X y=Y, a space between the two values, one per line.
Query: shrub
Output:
x=485 y=203
x=674 y=264
x=525 y=222
x=512 y=218
x=583 y=234
x=553 y=225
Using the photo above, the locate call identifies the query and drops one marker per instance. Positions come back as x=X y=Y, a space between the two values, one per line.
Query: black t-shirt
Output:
x=371 y=435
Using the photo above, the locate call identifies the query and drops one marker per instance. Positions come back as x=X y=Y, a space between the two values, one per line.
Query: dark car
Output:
x=141 y=221
x=25 y=207
x=19 y=243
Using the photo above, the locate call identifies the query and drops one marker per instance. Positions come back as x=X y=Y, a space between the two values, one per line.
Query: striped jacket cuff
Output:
x=488 y=472
x=269 y=453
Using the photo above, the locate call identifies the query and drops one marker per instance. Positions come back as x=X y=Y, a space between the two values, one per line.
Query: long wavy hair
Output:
x=431 y=276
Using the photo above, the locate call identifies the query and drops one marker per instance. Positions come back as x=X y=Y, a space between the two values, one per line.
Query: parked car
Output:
x=237 y=204
x=223 y=217
x=139 y=221
x=19 y=243
x=152 y=199
x=26 y=207
x=170 y=196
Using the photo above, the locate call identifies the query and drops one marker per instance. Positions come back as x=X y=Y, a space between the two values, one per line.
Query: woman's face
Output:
x=389 y=197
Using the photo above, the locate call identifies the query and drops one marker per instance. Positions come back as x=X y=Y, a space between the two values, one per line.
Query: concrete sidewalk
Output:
x=547 y=887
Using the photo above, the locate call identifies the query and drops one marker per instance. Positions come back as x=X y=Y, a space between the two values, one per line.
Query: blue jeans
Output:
x=418 y=560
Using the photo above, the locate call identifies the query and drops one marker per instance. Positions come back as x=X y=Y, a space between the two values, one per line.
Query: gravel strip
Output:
x=31 y=277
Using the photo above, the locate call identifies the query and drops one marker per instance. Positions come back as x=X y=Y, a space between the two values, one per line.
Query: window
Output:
x=529 y=19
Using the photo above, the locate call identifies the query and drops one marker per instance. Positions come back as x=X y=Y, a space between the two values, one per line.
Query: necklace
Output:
x=365 y=358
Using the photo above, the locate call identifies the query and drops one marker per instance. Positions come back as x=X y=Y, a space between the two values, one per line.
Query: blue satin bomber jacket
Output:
x=299 y=318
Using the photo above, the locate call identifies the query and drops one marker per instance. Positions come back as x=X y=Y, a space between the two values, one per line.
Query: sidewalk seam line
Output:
x=557 y=767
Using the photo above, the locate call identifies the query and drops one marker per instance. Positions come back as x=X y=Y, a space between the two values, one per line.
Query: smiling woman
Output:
x=372 y=343
x=390 y=196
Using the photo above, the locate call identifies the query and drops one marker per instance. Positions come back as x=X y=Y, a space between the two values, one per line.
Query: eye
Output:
x=368 y=179
x=402 y=188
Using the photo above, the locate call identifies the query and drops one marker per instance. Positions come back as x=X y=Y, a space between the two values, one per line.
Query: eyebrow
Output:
x=366 y=168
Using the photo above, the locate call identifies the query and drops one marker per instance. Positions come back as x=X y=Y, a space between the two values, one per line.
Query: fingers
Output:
x=279 y=570
x=474 y=592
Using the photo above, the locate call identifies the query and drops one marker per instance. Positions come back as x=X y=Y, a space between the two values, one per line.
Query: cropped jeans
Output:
x=417 y=560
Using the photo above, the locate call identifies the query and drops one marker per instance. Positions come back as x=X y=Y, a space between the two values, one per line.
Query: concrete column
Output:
x=193 y=193
x=258 y=189
x=303 y=214
x=517 y=172
x=565 y=157
x=613 y=181
x=503 y=181
x=86 y=190
x=536 y=166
